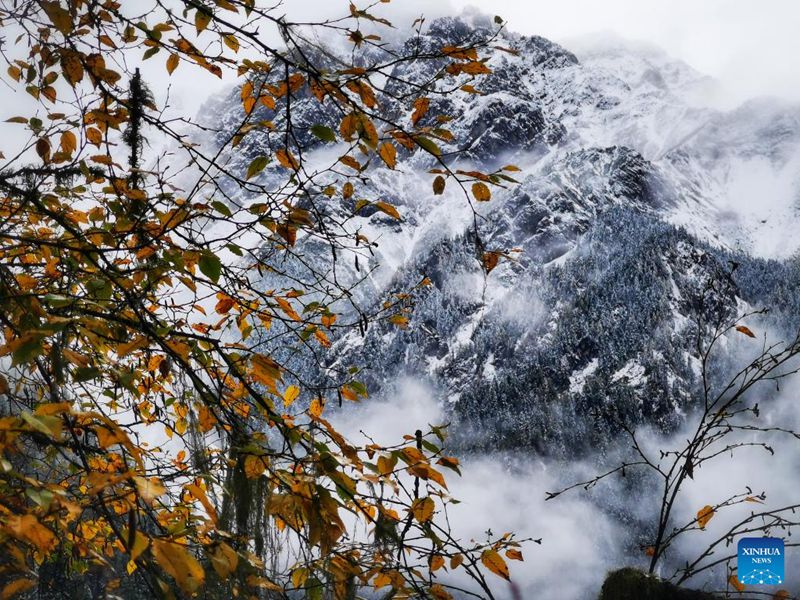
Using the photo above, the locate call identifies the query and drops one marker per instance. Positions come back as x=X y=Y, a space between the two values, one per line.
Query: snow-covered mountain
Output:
x=632 y=198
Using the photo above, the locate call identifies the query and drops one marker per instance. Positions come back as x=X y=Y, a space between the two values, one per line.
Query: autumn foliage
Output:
x=150 y=442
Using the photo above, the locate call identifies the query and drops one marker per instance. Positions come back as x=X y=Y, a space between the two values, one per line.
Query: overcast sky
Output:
x=751 y=46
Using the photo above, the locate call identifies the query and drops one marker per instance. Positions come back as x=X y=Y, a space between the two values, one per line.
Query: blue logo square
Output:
x=760 y=561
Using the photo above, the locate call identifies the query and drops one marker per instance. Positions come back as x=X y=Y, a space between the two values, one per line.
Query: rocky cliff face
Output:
x=631 y=200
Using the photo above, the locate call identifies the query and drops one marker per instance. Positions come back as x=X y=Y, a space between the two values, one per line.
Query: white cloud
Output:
x=750 y=46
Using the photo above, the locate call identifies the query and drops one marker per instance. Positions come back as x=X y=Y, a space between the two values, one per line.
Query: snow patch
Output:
x=578 y=379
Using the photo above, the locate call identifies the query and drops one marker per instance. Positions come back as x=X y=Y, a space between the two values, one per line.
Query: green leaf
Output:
x=314 y=589
x=427 y=145
x=30 y=348
x=222 y=208
x=82 y=374
x=210 y=266
x=258 y=164
x=57 y=301
x=326 y=134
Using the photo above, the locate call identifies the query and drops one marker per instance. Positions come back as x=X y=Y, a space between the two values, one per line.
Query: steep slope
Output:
x=633 y=202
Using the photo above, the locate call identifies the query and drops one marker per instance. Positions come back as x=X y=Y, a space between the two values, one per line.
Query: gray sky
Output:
x=751 y=46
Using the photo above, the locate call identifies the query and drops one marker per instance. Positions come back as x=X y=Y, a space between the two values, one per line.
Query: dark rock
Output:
x=632 y=584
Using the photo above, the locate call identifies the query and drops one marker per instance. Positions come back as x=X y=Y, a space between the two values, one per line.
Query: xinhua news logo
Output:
x=760 y=561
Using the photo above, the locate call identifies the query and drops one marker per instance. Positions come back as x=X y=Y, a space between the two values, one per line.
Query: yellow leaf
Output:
x=28 y=529
x=181 y=426
x=422 y=509
x=386 y=464
x=124 y=349
x=745 y=330
x=481 y=192
x=140 y=544
x=704 y=515
x=17 y=587
x=367 y=131
x=388 y=209
x=178 y=562
x=254 y=466
x=224 y=560
x=58 y=16
x=265 y=370
x=388 y=154
x=201 y=20
x=75 y=358
x=347 y=128
x=172 y=63
x=495 y=563
x=381 y=580
x=439 y=593
x=399 y=320
x=198 y=492
x=149 y=488
x=315 y=409
x=290 y=395
x=231 y=42
x=456 y=561
x=299 y=577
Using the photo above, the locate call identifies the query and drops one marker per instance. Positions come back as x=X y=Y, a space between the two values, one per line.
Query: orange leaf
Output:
x=315 y=409
x=69 y=143
x=286 y=159
x=172 y=63
x=388 y=209
x=704 y=515
x=735 y=583
x=436 y=562
x=17 y=586
x=495 y=563
x=745 y=330
x=224 y=560
x=388 y=154
x=514 y=554
x=481 y=192
x=178 y=562
x=28 y=529
x=421 y=106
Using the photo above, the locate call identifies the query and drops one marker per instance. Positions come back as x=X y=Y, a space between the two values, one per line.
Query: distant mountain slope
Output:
x=632 y=200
